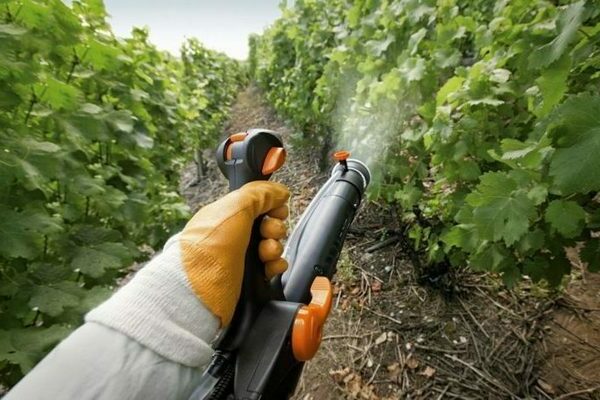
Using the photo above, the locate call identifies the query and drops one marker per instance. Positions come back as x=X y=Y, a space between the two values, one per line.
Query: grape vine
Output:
x=495 y=153
x=94 y=132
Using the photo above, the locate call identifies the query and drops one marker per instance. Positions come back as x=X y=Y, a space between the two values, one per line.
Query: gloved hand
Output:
x=176 y=304
x=215 y=240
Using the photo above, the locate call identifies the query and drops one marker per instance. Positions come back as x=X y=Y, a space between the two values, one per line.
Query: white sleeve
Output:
x=97 y=362
x=159 y=309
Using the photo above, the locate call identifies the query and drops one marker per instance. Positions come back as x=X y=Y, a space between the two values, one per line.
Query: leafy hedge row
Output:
x=481 y=118
x=94 y=132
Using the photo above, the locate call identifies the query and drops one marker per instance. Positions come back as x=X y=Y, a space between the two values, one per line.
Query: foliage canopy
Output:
x=94 y=132
x=485 y=115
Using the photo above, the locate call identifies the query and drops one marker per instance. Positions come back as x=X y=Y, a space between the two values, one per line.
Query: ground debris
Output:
x=428 y=372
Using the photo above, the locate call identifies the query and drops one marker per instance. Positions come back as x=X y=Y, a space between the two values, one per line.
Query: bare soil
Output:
x=394 y=335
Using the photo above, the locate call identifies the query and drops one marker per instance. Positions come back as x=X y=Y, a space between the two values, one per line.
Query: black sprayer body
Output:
x=256 y=358
x=266 y=362
x=314 y=247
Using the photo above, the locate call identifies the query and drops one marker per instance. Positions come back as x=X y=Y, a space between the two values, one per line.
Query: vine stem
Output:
x=33 y=101
x=31 y=104
x=87 y=206
x=74 y=64
x=584 y=33
x=9 y=17
x=35 y=318
x=45 y=246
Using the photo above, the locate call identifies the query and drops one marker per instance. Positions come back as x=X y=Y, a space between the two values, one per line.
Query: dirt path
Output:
x=391 y=336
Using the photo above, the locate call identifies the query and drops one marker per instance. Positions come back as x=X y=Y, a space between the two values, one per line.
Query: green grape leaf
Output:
x=60 y=95
x=94 y=297
x=39 y=221
x=121 y=120
x=22 y=232
x=110 y=200
x=590 y=254
x=469 y=170
x=30 y=145
x=144 y=76
x=531 y=241
x=553 y=85
x=500 y=75
x=566 y=217
x=96 y=8
x=49 y=273
x=578 y=146
x=102 y=56
x=528 y=154
x=83 y=127
x=90 y=108
x=412 y=69
x=51 y=300
x=461 y=236
x=510 y=275
x=415 y=39
x=514 y=149
x=551 y=269
x=119 y=250
x=29 y=175
x=24 y=347
x=486 y=101
x=538 y=194
x=143 y=140
x=501 y=211
x=408 y=196
x=94 y=262
x=389 y=85
x=68 y=23
x=446 y=57
x=40 y=110
x=378 y=47
x=568 y=22
x=7 y=30
x=451 y=86
x=87 y=186
x=490 y=258
x=90 y=235
x=33 y=14
x=139 y=95
x=536 y=268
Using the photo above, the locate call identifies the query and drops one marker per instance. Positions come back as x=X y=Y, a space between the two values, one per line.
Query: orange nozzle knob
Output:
x=341 y=155
x=236 y=137
x=274 y=160
x=308 y=325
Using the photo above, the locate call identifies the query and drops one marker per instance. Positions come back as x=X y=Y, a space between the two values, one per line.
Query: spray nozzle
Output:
x=342 y=157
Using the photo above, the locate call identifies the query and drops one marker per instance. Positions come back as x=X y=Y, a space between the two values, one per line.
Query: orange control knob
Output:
x=236 y=137
x=308 y=325
x=274 y=160
x=341 y=155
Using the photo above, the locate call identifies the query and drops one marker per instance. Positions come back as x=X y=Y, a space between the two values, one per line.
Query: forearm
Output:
x=96 y=362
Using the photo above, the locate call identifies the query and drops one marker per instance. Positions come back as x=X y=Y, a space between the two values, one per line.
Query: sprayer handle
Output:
x=250 y=156
x=242 y=158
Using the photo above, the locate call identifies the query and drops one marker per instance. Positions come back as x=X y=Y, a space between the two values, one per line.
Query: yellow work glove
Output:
x=214 y=243
x=177 y=303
